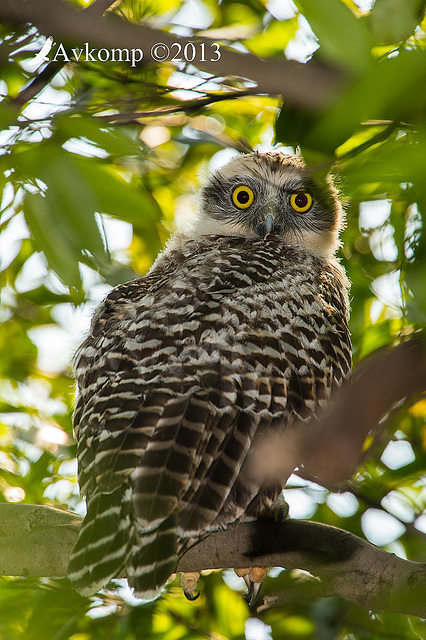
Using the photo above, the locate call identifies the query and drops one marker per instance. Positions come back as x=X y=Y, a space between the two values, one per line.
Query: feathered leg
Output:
x=254 y=576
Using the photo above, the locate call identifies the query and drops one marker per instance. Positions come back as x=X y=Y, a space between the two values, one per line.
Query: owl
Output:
x=237 y=334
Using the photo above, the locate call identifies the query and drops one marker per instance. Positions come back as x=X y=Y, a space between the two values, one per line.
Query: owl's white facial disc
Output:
x=262 y=193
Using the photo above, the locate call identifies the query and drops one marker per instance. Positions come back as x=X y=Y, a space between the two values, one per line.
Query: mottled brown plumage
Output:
x=238 y=331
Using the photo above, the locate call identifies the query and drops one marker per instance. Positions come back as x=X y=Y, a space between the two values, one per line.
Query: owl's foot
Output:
x=253 y=577
x=188 y=582
x=278 y=510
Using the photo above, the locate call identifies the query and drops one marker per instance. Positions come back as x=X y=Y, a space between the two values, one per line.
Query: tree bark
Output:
x=37 y=541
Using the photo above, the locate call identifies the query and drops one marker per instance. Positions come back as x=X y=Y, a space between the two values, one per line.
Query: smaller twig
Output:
x=381 y=136
x=188 y=106
x=37 y=85
x=97 y=8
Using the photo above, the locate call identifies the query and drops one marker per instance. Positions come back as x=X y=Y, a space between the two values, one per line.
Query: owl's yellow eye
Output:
x=301 y=201
x=242 y=197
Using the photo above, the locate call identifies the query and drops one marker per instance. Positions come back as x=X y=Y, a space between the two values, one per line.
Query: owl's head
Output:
x=261 y=193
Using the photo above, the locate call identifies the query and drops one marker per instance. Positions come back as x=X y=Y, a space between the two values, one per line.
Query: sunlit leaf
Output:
x=231 y=611
x=273 y=40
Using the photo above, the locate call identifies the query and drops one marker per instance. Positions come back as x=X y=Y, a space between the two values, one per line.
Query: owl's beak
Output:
x=268 y=224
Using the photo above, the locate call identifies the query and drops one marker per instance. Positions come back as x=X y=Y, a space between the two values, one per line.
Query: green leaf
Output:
x=116 y=196
x=72 y=201
x=17 y=353
x=55 y=612
x=390 y=91
x=273 y=40
x=66 y=212
x=231 y=611
x=343 y=37
x=7 y=113
x=416 y=278
x=77 y=188
x=61 y=255
x=294 y=125
x=114 y=142
x=392 y=21
x=43 y=297
x=397 y=218
x=6 y=407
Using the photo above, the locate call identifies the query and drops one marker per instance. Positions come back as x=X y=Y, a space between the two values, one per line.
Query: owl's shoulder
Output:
x=204 y=259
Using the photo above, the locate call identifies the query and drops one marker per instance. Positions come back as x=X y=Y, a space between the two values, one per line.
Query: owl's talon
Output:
x=278 y=510
x=189 y=583
x=253 y=578
x=253 y=593
x=248 y=582
x=282 y=513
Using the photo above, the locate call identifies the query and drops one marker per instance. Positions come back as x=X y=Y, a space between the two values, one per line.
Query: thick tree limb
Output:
x=37 y=541
x=310 y=85
x=348 y=567
x=330 y=448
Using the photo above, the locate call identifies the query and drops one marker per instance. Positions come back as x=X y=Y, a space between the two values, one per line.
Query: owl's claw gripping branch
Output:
x=188 y=583
x=253 y=577
x=279 y=510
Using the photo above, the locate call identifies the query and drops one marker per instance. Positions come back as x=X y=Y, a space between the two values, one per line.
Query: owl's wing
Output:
x=143 y=451
x=134 y=473
x=138 y=432
x=308 y=361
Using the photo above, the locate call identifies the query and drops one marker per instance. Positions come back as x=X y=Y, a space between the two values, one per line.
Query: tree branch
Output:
x=37 y=541
x=347 y=566
x=332 y=450
x=310 y=85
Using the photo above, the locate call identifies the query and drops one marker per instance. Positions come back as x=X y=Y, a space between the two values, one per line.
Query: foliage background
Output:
x=89 y=199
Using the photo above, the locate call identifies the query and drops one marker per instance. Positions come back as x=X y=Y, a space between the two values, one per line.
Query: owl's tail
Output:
x=153 y=560
x=104 y=542
x=108 y=543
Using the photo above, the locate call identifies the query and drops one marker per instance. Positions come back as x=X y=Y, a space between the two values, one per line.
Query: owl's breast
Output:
x=255 y=327
x=249 y=322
